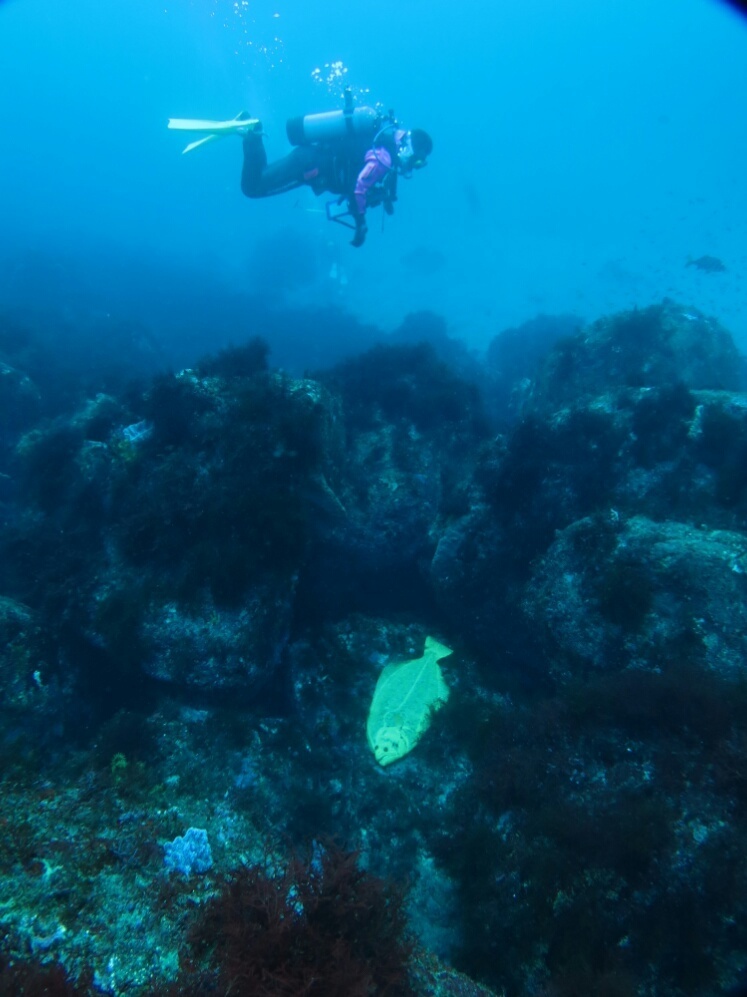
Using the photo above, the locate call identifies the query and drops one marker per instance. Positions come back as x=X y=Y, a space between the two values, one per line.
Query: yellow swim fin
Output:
x=242 y=124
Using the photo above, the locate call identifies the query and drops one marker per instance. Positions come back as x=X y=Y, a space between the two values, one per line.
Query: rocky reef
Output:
x=203 y=575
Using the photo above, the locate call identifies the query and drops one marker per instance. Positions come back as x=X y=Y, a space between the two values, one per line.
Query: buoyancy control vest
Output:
x=346 y=135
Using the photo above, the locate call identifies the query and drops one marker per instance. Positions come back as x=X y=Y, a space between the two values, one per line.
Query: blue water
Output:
x=583 y=150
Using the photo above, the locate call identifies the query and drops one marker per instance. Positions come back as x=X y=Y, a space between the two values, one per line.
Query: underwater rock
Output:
x=366 y=556
x=664 y=453
x=613 y=594
x=72 y=354
x=14 y=420
x=411 y=426
x=651 y=347
x=215 y=507
x=176 y=553
x=310 y=338
x=428 y=329
x=20 y=406
x=717 y=441
x=35 y=696
x=475 y=584
x=548 y=472
x=215 y=648
x=409 y=381
x=513 y=360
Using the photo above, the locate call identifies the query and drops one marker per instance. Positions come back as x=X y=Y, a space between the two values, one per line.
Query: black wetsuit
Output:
x=331 y=168
x=260 y=180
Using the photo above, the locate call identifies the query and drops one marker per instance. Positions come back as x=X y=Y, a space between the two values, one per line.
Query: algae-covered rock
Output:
x=218 y=648
x=20 y=402
x=611 y=594
x=513 y=360
x=411 y=427
x=35 y=693
x=661 y=345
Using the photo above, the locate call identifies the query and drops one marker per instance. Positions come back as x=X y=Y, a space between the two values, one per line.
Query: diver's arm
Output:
x=376 y=166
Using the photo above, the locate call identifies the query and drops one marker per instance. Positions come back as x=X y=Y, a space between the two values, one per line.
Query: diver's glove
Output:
x=361 y=230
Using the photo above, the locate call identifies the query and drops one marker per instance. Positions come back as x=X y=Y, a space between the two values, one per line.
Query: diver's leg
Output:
x=260 y=180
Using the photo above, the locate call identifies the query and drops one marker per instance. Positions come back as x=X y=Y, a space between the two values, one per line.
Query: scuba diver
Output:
x=355 y=153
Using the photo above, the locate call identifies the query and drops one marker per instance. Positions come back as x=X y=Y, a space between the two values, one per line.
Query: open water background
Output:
x=583 y=151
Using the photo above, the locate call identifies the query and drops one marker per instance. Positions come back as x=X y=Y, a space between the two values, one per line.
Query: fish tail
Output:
x=433 y=647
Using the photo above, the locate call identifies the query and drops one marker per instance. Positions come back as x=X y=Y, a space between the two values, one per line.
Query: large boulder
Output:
x=612 y=594
x=666 y=453
x=167 y=539
x=513 y=360
x=411 y=429
x=650 y=347
x=215 y=510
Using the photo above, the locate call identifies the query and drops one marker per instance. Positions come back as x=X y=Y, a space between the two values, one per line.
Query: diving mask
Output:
x=406 y=157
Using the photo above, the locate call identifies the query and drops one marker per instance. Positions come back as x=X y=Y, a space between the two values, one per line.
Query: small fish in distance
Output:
x=710 y=264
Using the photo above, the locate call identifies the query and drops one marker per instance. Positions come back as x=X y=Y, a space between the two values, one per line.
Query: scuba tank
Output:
x=311 y=129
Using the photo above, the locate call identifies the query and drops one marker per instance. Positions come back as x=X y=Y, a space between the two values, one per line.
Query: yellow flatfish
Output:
x=406 y=696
